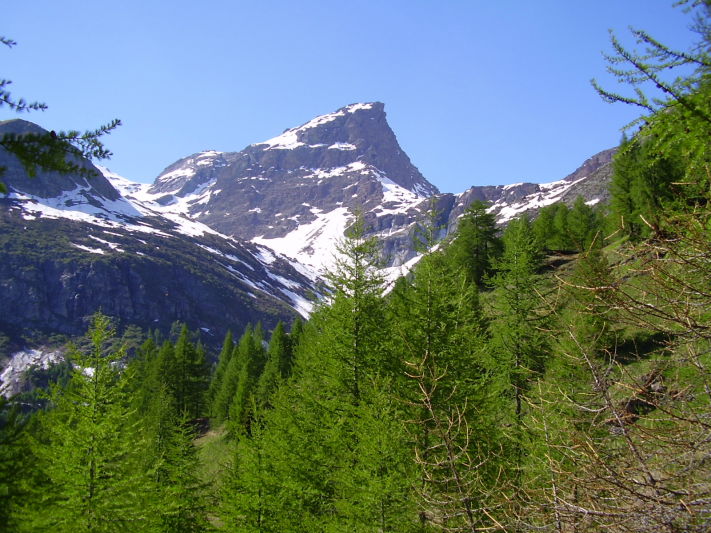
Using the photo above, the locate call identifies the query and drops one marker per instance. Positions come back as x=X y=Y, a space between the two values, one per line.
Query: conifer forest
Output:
x=553 y=375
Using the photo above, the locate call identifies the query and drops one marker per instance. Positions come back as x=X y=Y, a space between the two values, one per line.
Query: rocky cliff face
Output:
x=70 y=246
x=55 y=273
x=299 y=191
x=223 y=239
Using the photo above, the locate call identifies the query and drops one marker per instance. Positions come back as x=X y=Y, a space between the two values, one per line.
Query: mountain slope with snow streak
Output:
x=221 y=239
x=71 y=245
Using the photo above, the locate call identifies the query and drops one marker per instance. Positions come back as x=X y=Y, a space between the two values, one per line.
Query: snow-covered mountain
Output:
x=223 y=239
x=73 y=245
x=297 y=192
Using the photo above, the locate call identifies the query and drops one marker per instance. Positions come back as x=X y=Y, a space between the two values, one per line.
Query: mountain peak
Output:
x=327 y=129
x=51 y=184
x=356 y=133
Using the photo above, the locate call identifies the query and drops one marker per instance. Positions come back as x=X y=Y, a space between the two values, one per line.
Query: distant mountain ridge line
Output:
x=271 y=190
x=254 y=228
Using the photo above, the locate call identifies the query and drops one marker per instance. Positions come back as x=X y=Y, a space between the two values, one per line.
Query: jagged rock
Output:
x=292 y=190
x=195 y=245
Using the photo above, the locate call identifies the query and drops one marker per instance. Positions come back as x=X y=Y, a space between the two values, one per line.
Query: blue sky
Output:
x=478 y=92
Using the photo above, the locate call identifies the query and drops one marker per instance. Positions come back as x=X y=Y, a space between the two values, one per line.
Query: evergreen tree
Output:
x=248 y=490
x=476 y=243
x=278 y=360
x=644 y=183
x=169 y=455
x=297 y=329
x=518 y=334
x=624 y=211
x=188 y=375
x=584 y=225
x=439 y=334
x=560 y=223
x=199 y=382
x=356 y=305
x=172 y=459
x=226 y=393
x=329 y=458
x=90 y=452
x=671 y=147
x=165 y=372
x=16 y=462
x=252 y=358
x=280 y=350
x=147 y=376
x=544 y=227
x=223 y=361
x=297 y=448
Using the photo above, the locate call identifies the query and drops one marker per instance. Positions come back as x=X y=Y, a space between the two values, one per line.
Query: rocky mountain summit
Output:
x=220 y=240
x=297 y=192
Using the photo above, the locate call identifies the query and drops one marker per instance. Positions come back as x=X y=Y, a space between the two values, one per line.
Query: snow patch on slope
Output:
x=176 y=211
x=548 y=193
x=20 y=362
x=289 y=139
x=396 y=194
x=308 y=243
x=84 y=200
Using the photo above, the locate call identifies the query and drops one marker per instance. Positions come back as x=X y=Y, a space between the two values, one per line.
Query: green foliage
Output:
x=192 y=376
x=223 y=360
x=88 y=450
x=666 y=164
x=650 y=70
x=332 y=452
x=519 y=322
x=439 y=334
x=357 y=310
x=558 y=227
x=476 y=244
x=172 y=459
x=519 y=342
x=277 y=368
x=226 y=391
x=16 y=464
x=644 y=184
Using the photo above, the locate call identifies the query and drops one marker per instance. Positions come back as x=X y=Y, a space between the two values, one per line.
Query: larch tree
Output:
x=519 y=341
x=331 y=455
x=476 y=244
x=228 y=386
x=439 y=333
x=223 y=359
x=90 y=450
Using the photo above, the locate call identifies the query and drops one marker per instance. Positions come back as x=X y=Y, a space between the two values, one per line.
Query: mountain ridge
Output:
x=221 y=239
x=289 y=189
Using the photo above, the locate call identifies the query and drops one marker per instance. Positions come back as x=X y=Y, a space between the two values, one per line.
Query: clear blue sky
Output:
x=478 y=92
